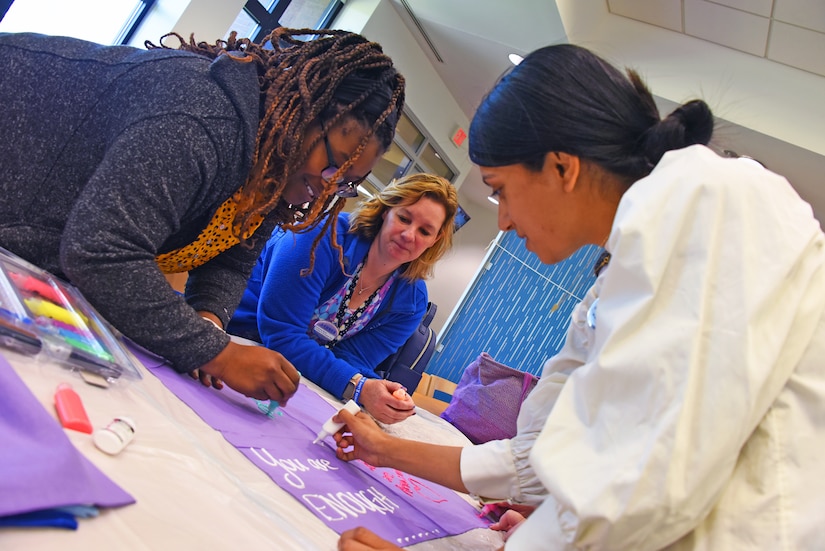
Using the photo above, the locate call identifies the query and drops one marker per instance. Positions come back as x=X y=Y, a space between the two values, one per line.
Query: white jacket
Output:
x=693 y=415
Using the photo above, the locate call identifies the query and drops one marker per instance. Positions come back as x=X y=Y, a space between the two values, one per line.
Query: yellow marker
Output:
x=51 y=310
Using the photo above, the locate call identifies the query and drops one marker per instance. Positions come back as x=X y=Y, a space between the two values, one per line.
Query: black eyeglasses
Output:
x=344 y=189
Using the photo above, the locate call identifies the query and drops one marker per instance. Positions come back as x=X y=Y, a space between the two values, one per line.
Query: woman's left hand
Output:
x=378 y=399
x=206 y=379
x=361 y=539
x=508 y=522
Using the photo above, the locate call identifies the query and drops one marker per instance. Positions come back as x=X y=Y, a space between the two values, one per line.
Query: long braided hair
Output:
x=331 y=77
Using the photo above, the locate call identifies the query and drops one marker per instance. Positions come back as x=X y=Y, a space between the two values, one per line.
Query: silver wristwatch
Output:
x=349 y=390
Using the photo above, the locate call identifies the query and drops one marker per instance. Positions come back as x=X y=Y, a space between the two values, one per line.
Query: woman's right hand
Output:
x=378 y=399
x=254 y=371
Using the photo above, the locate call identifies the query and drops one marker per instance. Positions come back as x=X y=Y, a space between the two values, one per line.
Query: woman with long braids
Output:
x=119 y=165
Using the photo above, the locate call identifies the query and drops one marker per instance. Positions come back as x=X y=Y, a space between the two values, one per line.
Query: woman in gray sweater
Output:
x=118 y=165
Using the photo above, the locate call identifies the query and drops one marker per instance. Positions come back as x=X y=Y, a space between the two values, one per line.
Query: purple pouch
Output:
x=487 y=400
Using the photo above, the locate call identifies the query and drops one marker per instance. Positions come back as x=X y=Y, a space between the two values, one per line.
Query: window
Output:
x=411 y=151
x=437 y=165
x=393 y=164
x=101 y=21
x=259 y=17
x=409 y=133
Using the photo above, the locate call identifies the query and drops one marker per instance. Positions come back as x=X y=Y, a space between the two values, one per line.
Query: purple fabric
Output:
x=396 y=506
x=487 y=400
x=40 y=467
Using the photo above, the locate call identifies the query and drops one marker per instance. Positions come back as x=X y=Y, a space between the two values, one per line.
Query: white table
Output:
x=194 y=490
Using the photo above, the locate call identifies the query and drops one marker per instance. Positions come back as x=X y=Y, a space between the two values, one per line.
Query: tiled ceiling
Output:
x=791 y=32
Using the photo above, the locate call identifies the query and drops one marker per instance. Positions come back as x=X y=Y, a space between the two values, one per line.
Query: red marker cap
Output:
x=70 y=409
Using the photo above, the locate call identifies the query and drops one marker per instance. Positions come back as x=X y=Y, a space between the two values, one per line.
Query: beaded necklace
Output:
x=346 y=324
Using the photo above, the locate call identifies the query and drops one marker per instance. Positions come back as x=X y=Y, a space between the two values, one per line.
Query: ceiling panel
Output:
x=791 y=32
x=797 y=47
x=727 y=26
x=758 y=7
x=663 y=13
x=809 y=14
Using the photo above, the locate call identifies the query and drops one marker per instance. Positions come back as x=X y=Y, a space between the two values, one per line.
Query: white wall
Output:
x=741 y=88
x=427 y=95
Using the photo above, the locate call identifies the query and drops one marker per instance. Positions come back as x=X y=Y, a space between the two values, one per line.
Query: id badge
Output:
x=324 y=331
x=591 y=314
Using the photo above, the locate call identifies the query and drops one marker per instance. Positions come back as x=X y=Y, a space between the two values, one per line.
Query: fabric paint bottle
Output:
x=115 y=436
x=331 y=427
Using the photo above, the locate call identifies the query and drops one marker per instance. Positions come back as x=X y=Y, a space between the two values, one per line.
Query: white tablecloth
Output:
x=194 y=490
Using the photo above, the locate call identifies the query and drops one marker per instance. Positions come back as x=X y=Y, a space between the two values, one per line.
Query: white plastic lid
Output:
x=114 y=437
x=108 y=441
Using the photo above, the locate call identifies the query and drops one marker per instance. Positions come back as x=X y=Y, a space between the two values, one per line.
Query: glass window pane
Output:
x=409 y=133
x=368 y=189
x=244 y=25
x=100 y=21
x=304 y=13
x=392 y=165
x=437 y=165
x=461 y=218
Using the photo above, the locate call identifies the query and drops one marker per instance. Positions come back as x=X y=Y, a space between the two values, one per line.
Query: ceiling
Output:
x=791 y=32
x=760 y=64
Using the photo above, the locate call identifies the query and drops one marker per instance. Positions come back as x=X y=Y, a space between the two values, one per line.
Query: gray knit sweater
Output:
x=110 y=155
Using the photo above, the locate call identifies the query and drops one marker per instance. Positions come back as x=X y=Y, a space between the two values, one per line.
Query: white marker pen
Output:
x=331 y=427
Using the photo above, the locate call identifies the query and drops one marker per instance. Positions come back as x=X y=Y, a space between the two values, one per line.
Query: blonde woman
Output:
x=337 y=313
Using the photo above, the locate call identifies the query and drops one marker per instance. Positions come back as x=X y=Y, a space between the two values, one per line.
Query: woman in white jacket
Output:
x=686 y=409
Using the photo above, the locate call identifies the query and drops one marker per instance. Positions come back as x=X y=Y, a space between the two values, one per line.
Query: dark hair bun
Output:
x=696 y=121
x=692 y=122
x=689 y=124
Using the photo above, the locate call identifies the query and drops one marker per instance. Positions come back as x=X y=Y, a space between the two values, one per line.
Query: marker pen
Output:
x=18 y=338
x=86 y=345
x=87 y=362
x=331 y=427
x=68 y=327
x=62 y=351
x=269 y=409
x=51 y=310
x=34 y=285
